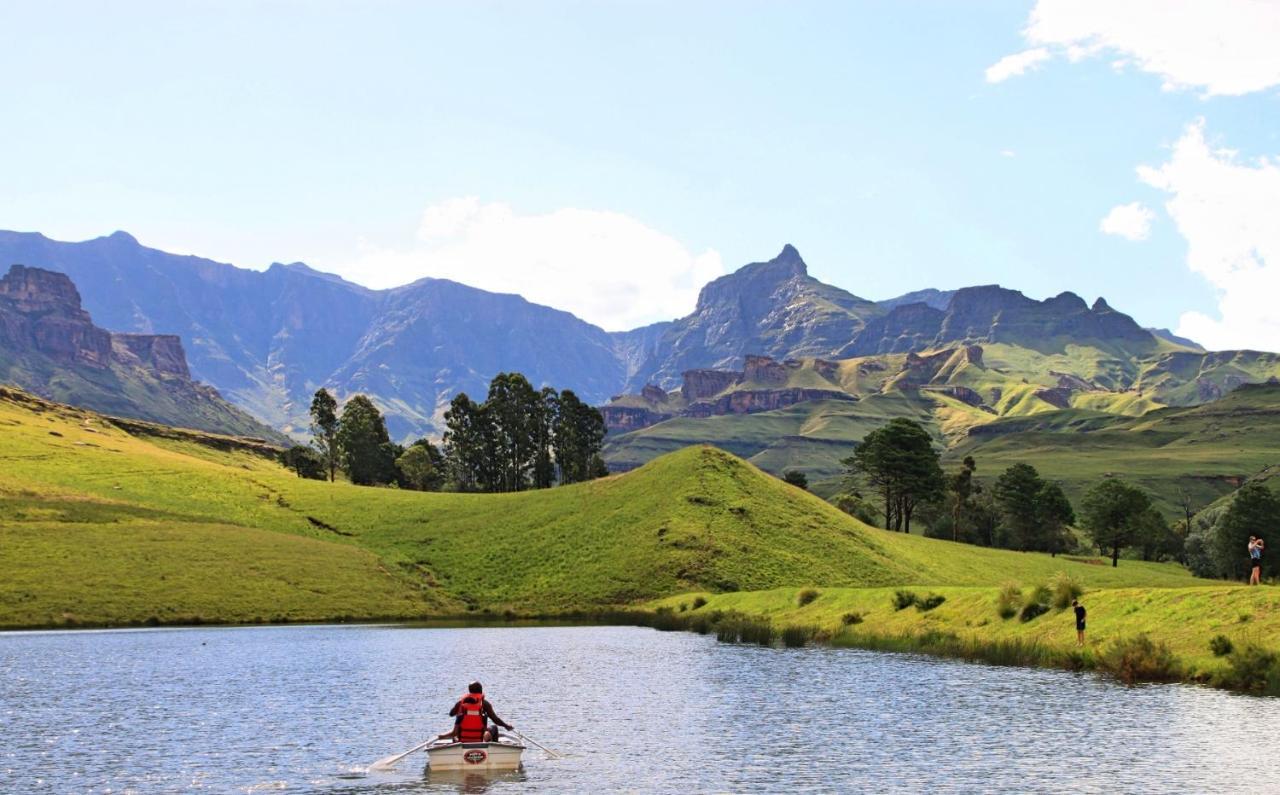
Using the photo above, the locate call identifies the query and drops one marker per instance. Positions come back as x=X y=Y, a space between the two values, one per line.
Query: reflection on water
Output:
x=306 y=709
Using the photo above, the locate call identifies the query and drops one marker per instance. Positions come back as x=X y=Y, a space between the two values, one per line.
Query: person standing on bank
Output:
x=1256 y=546
x=1080 y=613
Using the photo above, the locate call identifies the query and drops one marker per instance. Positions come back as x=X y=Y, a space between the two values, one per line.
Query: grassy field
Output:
x=149 y=508
x=103 y=527
x=1203 y=450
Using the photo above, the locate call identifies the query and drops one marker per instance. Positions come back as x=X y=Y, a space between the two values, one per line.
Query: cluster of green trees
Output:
x=355 y=441
x=521 y=438
x=518 y=438
x=899 y=464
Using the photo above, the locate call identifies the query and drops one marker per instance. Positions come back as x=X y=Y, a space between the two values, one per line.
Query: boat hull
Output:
x=474 y=756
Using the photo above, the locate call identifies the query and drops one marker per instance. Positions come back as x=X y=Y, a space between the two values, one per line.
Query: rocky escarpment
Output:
x=40 y=310
x=762 y=385
x=50 y=346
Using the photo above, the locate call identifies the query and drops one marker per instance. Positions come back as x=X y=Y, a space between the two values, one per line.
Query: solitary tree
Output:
x=324 y=429
x=897 y=460
x=1112 y=510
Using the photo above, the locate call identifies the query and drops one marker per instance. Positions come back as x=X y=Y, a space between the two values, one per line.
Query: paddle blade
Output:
x=386 y=762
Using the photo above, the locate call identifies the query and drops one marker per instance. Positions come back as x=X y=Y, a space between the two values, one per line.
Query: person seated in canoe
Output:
x=471 y=717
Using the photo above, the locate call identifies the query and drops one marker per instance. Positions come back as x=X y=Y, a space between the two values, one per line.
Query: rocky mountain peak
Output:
x=39 y=290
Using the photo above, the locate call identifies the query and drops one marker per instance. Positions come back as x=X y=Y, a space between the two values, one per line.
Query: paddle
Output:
x=528 y=739
x=388 y=762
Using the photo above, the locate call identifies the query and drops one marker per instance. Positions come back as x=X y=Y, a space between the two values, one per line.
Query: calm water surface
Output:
x=306 y=709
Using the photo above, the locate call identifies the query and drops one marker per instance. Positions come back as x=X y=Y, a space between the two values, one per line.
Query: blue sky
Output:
x=608 y=157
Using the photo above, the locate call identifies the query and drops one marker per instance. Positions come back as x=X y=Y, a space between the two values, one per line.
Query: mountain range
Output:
x=50 y=345
x=267 y=339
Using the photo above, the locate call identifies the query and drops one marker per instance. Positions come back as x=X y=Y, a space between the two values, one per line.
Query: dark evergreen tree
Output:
x=898 y=462
x=1112 y=510
x=324 y=429
x=368 y=455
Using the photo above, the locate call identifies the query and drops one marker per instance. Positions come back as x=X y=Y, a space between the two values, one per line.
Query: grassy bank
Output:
x=1183 y=625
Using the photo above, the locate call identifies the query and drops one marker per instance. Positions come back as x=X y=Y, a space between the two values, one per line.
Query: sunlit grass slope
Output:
x=106 y=527
x=1183 y=618
x=1205 y=450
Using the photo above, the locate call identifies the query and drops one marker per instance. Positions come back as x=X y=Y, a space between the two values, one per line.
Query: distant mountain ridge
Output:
x=268 y=339
x=50 y=345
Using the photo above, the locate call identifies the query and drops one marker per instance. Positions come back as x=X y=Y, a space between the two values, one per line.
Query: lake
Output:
x=307 y=708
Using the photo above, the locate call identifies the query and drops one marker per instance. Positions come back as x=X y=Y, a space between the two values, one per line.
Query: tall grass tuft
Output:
x=904 y=599
x=1066 y=589
x=1140 y=659
x=849 y=619
x=807 y=596
x=1221 y=645
x=1009 y=600
x=795 y=637
x=1032 y=611
x=929 y=602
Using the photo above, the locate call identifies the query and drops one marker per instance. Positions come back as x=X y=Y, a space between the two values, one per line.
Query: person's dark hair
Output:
x=475 y=687
x=1075 y=602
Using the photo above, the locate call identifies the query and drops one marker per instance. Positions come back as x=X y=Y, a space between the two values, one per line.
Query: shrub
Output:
x=1042 y=595
x=796 y=637
x=904 y=599
x=684 y=606
x=1031 y=611
x=851 y=618
x=1066 y=589
x=1139 y=659
x=1009 y=600
x=745 y=630
x=699 y=601
x=929 y=602
x=1253 y=669
x=1221 y=646
x=806 y=596
x=700 y=624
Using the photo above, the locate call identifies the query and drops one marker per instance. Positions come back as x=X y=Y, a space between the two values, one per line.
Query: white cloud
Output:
x=1226 y=208
x=1131 y=221
x=605 y=267
x=1008 y=153
x=1016 y=64
x=1220 y=47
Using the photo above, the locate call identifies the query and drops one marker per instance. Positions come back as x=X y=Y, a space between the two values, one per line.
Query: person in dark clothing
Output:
x=1080 y=613
x=472 y=715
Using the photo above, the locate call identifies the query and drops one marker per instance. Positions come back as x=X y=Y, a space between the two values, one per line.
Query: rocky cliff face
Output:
x=49 y=345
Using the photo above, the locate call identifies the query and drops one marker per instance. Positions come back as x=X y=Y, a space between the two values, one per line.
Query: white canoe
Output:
x=474 y=756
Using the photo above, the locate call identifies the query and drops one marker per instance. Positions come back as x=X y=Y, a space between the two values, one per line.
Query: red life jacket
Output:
x=471 y=710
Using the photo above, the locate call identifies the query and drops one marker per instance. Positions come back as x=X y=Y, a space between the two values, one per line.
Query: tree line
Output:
x=899 y=464
x=518 y=438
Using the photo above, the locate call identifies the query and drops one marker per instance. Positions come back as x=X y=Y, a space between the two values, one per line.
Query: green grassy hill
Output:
x=1204 y=450
x=105 y=526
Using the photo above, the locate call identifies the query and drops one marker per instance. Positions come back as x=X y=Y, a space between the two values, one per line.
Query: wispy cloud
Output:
x=1131 y=221
x=605 y=267
x=1016 y=64
x=1220 y=47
